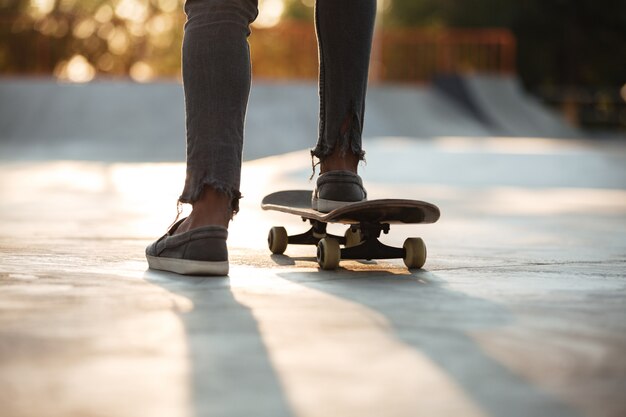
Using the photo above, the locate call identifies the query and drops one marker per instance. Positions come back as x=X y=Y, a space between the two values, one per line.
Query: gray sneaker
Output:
x=336 y=189
x=200 y=251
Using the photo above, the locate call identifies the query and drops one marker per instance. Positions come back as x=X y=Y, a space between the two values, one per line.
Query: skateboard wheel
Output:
x=415 y=253
x=328 y=254
x=277 y=240
x=353 y=237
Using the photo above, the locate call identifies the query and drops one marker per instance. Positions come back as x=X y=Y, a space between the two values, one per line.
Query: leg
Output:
x=216 y=77
x=344 y=31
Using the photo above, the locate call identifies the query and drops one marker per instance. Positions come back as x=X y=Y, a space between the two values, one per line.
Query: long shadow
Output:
x=284 y=260
x=231 y=374
x=437 y=322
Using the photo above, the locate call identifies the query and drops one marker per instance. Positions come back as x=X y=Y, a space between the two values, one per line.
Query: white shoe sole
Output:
x=188 y=267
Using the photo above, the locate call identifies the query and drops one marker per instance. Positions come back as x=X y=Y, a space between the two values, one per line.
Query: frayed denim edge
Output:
x=234 y=194
x=350 y=140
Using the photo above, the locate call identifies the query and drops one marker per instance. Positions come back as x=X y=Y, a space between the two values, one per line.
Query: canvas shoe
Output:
x=200 y=251
x=335 y=189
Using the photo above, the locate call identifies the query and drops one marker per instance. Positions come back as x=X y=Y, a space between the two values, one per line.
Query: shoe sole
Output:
x=326 y=206
x=187 y=266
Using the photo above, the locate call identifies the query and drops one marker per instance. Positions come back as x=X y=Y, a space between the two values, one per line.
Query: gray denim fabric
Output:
x=217 y=77
x=344 y=36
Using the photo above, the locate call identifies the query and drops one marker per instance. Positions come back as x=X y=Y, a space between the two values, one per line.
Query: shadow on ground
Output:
x=231 y=374
x=232 y=370
x=438 y=322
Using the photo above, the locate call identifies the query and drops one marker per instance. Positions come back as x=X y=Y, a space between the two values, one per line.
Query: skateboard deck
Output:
x=391 y=211
x=367 y=219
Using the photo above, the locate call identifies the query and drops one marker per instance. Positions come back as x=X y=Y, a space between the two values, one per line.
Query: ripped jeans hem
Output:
x=321 y=152
x=190 y=197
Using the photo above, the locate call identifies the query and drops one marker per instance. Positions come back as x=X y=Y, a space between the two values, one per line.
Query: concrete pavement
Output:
x=519 y=311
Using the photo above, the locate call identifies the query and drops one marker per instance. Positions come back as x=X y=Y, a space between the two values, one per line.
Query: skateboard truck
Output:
x=369 y=246
x=313 y=235
x=360 y=242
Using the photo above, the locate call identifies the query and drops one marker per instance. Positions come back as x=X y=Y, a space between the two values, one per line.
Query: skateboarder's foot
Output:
x=201 y=251
x=335 y=189
x=196 y=245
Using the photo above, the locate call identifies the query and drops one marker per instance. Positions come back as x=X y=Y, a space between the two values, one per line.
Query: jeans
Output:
x=217 y=77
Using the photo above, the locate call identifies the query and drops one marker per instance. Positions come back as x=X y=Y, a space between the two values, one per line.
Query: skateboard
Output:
x=366 y=220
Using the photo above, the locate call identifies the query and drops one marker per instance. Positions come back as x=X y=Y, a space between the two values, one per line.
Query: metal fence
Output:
x=399 y=55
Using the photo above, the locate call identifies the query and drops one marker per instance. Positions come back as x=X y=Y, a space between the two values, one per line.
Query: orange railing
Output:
x=286 y=51
x=416 y=55
x=399 y=55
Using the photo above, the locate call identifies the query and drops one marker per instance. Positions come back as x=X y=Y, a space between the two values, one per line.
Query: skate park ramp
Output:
x=502 y=105
x=126 y=121
x=98 y=121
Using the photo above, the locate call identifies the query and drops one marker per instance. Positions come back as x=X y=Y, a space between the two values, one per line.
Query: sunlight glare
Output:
x=106 y=62
x=104 y=14
x=47 y=26
x=141 y=72
x=76 y=70
x=270 y=13
x=134 y=10
x=67 y=6
x=383 y=5
x=508 y=145
x=135 y=29
x=105 y=30
x=73 y=176
x=118 y=41
x=84 y=28
x=41 y=7
x=149 y=192
x=160 y=23
x=168 y=6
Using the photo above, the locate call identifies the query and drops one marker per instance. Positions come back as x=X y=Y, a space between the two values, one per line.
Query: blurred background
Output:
x=509 y=115
x=568 y=54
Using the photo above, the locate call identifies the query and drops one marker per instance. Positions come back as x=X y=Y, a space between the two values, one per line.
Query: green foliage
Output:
x=297 y=10
x=416 y=13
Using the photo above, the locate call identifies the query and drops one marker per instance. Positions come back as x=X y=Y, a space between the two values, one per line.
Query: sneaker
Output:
x=336 y=189
x=200 y=251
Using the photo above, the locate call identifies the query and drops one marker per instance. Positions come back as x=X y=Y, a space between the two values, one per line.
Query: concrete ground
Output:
x=519 y=312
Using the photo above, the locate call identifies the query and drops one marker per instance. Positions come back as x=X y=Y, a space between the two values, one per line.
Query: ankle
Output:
x=213 y=208
x=215 y=216
x=338 y=162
